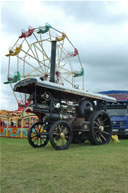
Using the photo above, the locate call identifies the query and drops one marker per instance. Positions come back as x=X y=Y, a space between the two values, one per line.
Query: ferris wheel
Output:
x=30 y=56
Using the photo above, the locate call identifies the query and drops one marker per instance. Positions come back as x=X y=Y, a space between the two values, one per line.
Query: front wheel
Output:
x=60 y=135
x=38 y=135
x=100 y=128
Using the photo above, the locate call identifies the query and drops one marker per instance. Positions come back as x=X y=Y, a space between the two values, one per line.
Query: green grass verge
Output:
x=82 y=168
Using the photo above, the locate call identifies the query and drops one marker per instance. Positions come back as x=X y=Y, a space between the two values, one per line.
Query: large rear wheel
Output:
x=100 y=128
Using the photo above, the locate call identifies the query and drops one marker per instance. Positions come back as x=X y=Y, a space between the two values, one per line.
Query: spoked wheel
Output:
x=38 y=135
x=100 y=128
x=60 y=135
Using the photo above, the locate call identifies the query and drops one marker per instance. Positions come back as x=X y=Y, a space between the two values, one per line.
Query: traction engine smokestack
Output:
x=53 y=62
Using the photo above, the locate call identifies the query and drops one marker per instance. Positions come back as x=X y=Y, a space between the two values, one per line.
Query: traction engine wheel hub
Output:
x=101 y=128
x=62 y=135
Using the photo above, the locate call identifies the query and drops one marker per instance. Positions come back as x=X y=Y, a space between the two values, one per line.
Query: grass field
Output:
x=82 y=168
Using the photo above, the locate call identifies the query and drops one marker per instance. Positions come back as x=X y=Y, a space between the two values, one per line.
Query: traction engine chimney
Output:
x=53 y=61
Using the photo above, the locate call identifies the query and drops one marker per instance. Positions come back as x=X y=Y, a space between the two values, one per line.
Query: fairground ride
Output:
x=30 y=57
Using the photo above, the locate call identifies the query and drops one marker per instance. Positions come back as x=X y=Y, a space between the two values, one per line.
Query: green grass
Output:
x=80 y=169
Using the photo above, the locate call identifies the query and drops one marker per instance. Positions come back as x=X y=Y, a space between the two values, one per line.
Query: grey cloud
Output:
x=8 y=100
x=106 y=59
x=89 y=11
x=11 y=17
x=106 y=77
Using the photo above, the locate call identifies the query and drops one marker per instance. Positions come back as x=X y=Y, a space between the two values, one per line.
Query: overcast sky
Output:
x=98 y=29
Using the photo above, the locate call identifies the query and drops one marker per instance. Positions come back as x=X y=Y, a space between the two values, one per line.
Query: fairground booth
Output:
x=15 y=123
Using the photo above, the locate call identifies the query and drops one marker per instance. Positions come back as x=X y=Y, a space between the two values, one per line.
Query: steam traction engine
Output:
x=65 y=115
x=45 y=77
